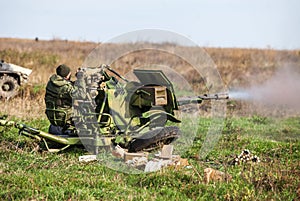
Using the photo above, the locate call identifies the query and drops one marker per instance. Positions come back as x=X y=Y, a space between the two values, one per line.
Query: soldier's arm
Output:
x=79 y=89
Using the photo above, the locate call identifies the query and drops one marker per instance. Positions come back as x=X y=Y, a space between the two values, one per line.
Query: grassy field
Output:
x=28 y=172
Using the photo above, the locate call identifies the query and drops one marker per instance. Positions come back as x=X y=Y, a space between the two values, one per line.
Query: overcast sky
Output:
x=214 y=23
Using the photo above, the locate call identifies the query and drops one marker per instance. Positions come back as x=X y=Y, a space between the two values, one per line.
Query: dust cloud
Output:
x=281 y=90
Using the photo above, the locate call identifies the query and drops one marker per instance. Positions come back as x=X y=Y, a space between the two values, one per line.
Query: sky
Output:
x=211 y=23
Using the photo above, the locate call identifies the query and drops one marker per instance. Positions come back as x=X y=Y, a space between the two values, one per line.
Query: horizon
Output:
x=86 y=41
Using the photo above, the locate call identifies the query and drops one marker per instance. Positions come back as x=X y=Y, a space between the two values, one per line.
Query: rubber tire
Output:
x=154 y=139
x=13 y=87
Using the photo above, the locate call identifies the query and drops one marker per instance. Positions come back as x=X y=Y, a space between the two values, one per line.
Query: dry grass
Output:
x=43 y=56
x=237 y=67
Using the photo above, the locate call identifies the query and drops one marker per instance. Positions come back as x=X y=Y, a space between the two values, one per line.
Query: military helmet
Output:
x=63 y=70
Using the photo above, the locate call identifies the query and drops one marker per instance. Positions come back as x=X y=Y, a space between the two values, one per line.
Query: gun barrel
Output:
x=199 y=99
x=218 y=96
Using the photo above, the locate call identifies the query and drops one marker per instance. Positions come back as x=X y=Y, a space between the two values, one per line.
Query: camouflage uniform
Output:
x=58 y=99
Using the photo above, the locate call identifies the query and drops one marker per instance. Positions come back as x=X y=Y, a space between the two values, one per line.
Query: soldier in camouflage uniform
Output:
x=58 y=98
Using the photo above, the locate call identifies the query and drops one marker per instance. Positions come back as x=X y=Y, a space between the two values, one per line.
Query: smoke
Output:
x=281 y=90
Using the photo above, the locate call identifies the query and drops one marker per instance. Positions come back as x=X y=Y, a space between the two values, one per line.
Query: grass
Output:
x=28 y=172
x=31 y=173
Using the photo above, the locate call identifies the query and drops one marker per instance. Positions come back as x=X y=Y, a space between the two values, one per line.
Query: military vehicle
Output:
x=137 y=115
x=11 y=78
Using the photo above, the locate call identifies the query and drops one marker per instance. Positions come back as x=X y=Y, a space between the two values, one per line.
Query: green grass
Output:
x=27 y=172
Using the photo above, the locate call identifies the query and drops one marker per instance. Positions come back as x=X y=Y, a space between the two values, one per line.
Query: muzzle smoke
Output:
x=281 y=90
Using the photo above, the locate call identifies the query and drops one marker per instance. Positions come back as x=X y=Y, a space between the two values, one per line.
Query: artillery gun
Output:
x=11 y=78
x=132 y=114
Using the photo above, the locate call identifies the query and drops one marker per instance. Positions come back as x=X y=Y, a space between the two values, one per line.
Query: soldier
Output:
x=60 y=91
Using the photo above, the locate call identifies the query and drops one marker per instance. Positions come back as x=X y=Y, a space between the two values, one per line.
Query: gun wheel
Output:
x=8 y=87
x=154 y=139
